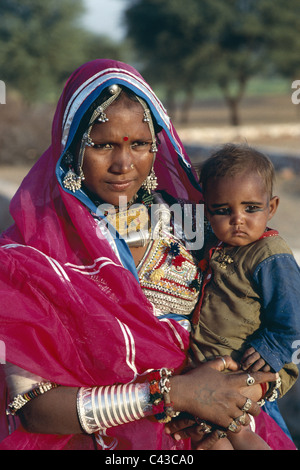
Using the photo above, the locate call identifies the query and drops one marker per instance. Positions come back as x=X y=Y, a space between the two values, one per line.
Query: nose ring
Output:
x=132 y=166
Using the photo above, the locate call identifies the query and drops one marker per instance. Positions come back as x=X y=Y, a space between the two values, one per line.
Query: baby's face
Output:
x=239 y=208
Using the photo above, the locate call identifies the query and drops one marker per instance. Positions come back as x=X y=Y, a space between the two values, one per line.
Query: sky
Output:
x=105 y=17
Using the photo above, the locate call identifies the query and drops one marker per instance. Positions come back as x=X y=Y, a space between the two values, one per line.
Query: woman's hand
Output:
x=215 y=397
x=184 y=427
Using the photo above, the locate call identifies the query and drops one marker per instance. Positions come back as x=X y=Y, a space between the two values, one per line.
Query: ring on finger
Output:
x=221 y=434
x=247 y=405
x=241 y=419
x=204 y=427
x=224 y=362
x=233 y=426
x=250 y=380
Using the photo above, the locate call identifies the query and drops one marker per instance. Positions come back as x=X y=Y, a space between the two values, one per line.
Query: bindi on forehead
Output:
x=125 y=138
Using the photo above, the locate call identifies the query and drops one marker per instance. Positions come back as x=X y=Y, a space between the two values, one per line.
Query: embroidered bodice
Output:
x=169 y=277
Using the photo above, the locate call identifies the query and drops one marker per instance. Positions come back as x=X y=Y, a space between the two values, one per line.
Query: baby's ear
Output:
x=273 y=205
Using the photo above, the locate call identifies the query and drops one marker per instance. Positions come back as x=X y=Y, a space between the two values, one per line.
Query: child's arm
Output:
x=278 y=281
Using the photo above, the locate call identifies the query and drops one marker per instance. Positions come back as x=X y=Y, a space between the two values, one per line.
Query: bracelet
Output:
x=160 y=388
x=100 y=408
x=272 y=393
x=20 y=400
x=264 y=388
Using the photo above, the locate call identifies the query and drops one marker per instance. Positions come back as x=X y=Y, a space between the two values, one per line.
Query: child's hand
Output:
x=253 y=361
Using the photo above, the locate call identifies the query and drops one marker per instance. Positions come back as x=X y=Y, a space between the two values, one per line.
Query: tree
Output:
x=170 y=38
x=40 y=42
x=282 y=34
x=199 y=42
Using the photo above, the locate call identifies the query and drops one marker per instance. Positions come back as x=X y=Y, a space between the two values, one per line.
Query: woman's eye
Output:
x=102 y=146
x=139 y=145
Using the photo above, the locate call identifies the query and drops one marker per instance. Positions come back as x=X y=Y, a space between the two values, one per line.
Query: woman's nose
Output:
x=121 y=160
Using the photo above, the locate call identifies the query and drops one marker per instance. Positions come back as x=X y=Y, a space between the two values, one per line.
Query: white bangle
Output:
x=100 y=408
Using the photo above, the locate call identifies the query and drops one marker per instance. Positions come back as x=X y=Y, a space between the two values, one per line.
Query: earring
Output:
x=71 y=181
x=150 y=183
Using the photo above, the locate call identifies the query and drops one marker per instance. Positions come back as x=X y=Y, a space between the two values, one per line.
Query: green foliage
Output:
x=197 y=43
x=282 y=35
x=41 y=43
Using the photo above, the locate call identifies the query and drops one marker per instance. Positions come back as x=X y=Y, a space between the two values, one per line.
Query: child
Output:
x=250 y=300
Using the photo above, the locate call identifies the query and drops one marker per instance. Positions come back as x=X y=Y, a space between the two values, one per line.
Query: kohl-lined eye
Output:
x=253 y=208
x=221 y=211
x=140 y=145
x=102 y=146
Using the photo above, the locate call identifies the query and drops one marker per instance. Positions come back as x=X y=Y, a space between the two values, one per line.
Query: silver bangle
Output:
x=100 y=408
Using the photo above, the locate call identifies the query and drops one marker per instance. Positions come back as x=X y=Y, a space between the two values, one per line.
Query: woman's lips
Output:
x=119 y=186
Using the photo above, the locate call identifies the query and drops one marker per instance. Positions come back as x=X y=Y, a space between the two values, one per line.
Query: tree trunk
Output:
x=234 y=101
x=171 y=102
x=233 y=105
x=187 y=104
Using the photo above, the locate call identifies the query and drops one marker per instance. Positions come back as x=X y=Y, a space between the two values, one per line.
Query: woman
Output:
x=74 y=317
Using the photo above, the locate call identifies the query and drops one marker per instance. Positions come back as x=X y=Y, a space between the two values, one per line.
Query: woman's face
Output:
x=120 y=160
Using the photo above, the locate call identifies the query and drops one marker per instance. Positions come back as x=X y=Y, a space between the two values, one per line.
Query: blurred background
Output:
x=225 y=70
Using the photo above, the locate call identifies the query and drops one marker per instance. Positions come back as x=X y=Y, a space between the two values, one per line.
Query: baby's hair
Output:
x=233 y=159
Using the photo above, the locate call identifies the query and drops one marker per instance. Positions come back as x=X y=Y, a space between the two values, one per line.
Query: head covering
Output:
x=72 y=310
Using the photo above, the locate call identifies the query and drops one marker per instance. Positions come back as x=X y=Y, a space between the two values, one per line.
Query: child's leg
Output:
x=222 y=444
x=247 y=440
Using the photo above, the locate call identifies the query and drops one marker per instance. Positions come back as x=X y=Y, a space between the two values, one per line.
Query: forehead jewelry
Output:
x=100 y=116
x=148 y=119
x=150 y=183
x=74 y=178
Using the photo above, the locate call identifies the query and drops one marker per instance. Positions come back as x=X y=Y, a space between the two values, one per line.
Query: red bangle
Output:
x=264 y=388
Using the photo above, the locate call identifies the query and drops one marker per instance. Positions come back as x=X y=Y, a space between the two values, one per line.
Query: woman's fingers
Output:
x=242 y=378
x=201 y=435
x=208 y=441
x=222 y=363
x=180 y=425
x=215 y=397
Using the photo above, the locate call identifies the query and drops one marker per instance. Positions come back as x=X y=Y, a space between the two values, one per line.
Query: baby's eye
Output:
x=222 y=211
x=253 y=208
